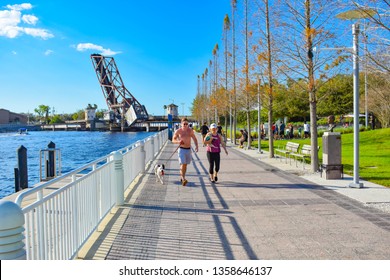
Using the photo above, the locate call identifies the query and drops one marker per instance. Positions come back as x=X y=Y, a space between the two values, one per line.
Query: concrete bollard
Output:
x=118 y=172
x=11 y=232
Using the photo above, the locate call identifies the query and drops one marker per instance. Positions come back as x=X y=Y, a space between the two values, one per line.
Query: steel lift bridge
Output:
x=125 y=110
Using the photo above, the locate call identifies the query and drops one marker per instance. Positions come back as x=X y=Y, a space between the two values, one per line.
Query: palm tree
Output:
x=234 y=7
x=226 y=27
x=246 y=87
x=215 y=55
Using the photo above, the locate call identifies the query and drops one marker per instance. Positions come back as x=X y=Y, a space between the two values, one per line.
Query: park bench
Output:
x=290 y=148
x=304 y=153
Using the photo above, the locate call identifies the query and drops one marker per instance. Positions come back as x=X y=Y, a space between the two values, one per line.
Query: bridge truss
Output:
x=124 y=108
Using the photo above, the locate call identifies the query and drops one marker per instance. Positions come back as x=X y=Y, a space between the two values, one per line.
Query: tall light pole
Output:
x=355 y=15
x=355 y=58
x=365 y=76
x=259 y=117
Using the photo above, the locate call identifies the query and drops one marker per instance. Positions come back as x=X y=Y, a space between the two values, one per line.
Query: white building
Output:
x=172 y=109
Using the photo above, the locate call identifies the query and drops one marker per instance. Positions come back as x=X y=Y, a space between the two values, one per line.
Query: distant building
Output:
x=172 y=109
x=90 y=114
x=7 y=117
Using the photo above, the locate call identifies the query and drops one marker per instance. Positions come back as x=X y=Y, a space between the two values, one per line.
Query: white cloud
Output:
x=10 y=31
x=9 y=18
x=14 y=53
x=11 y=23
x=89 y=46
x=20 y=7
x=48 y=52
x=30 y=19
x=38 y=32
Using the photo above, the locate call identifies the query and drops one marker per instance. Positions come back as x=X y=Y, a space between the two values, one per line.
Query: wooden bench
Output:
x=290 y=148
x=304 y=153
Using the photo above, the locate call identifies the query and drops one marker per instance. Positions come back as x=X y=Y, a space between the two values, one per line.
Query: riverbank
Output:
x=4 y=128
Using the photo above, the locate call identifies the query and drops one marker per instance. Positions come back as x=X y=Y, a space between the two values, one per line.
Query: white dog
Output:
x=159 y=172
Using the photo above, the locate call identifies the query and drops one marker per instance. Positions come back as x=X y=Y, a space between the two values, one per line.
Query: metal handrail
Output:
x=59 y=222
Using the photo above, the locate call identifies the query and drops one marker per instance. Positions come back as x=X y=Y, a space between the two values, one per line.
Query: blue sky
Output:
x=159 y=47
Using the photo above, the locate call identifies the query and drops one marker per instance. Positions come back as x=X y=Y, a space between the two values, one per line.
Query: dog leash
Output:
x=172 y=154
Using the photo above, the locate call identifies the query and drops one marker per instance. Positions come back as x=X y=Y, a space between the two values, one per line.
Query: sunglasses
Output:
x=186 y=123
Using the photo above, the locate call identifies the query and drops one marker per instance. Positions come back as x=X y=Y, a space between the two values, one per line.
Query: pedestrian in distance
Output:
x=220 y=131
x=219 y=128
x=243 y=138
x=306 y=130
x=204 y=129
x=183 y=137
x=282 y=128
x=214 y=142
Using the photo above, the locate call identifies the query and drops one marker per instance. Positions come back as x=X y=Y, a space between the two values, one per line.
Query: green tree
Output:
x=100 y=114
x=79 y=115
x=43 y=112
x=306 y=27
x=56 y=119
x=379 y=97
x=336 y=96
x=295 y=100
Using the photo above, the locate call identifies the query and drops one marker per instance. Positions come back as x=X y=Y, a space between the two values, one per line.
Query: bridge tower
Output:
x=125 y=108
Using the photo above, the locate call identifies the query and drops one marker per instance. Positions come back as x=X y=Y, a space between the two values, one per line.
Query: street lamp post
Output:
x=356 y=15
x=259 y=118
x=365 y=77
x=355 y=48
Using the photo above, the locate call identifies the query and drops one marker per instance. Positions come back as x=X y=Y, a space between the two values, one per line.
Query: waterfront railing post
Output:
x=153 y=148
x=41 y=227
x=118 y=174
x=143 y=157
x=12 y=239
x=158 y=142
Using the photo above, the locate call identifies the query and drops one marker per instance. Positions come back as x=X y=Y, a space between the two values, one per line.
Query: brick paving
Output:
x=254 y=211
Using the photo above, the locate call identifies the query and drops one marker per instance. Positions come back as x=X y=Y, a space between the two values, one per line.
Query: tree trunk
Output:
x=312 y=90
x=270 y=89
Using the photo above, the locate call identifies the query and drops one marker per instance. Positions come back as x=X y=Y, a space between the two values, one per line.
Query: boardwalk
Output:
x=254 y=211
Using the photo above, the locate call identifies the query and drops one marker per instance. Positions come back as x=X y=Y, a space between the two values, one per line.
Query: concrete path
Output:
x=258 y=209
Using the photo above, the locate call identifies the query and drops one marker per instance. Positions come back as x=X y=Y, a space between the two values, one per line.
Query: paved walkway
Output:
x=255 y=211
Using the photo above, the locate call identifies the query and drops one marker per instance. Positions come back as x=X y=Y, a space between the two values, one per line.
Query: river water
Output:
x=77 y=148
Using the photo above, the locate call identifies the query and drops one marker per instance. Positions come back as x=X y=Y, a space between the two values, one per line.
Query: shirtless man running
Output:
x=183 y=137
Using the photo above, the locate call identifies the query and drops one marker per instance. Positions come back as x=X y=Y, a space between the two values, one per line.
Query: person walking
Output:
x=243 y=138
x=306 y=130
x=204 y=129
x=214 y=142
x=220 y=132
x=219 y=128
x=183 y=137
x=281 y=132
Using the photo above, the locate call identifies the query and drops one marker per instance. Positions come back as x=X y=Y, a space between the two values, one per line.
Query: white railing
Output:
x=68 y=209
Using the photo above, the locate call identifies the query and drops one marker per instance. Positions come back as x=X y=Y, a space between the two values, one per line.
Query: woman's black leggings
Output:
x=214 y=158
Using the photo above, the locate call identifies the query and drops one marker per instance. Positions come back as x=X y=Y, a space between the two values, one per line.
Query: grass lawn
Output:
x=374 y=151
